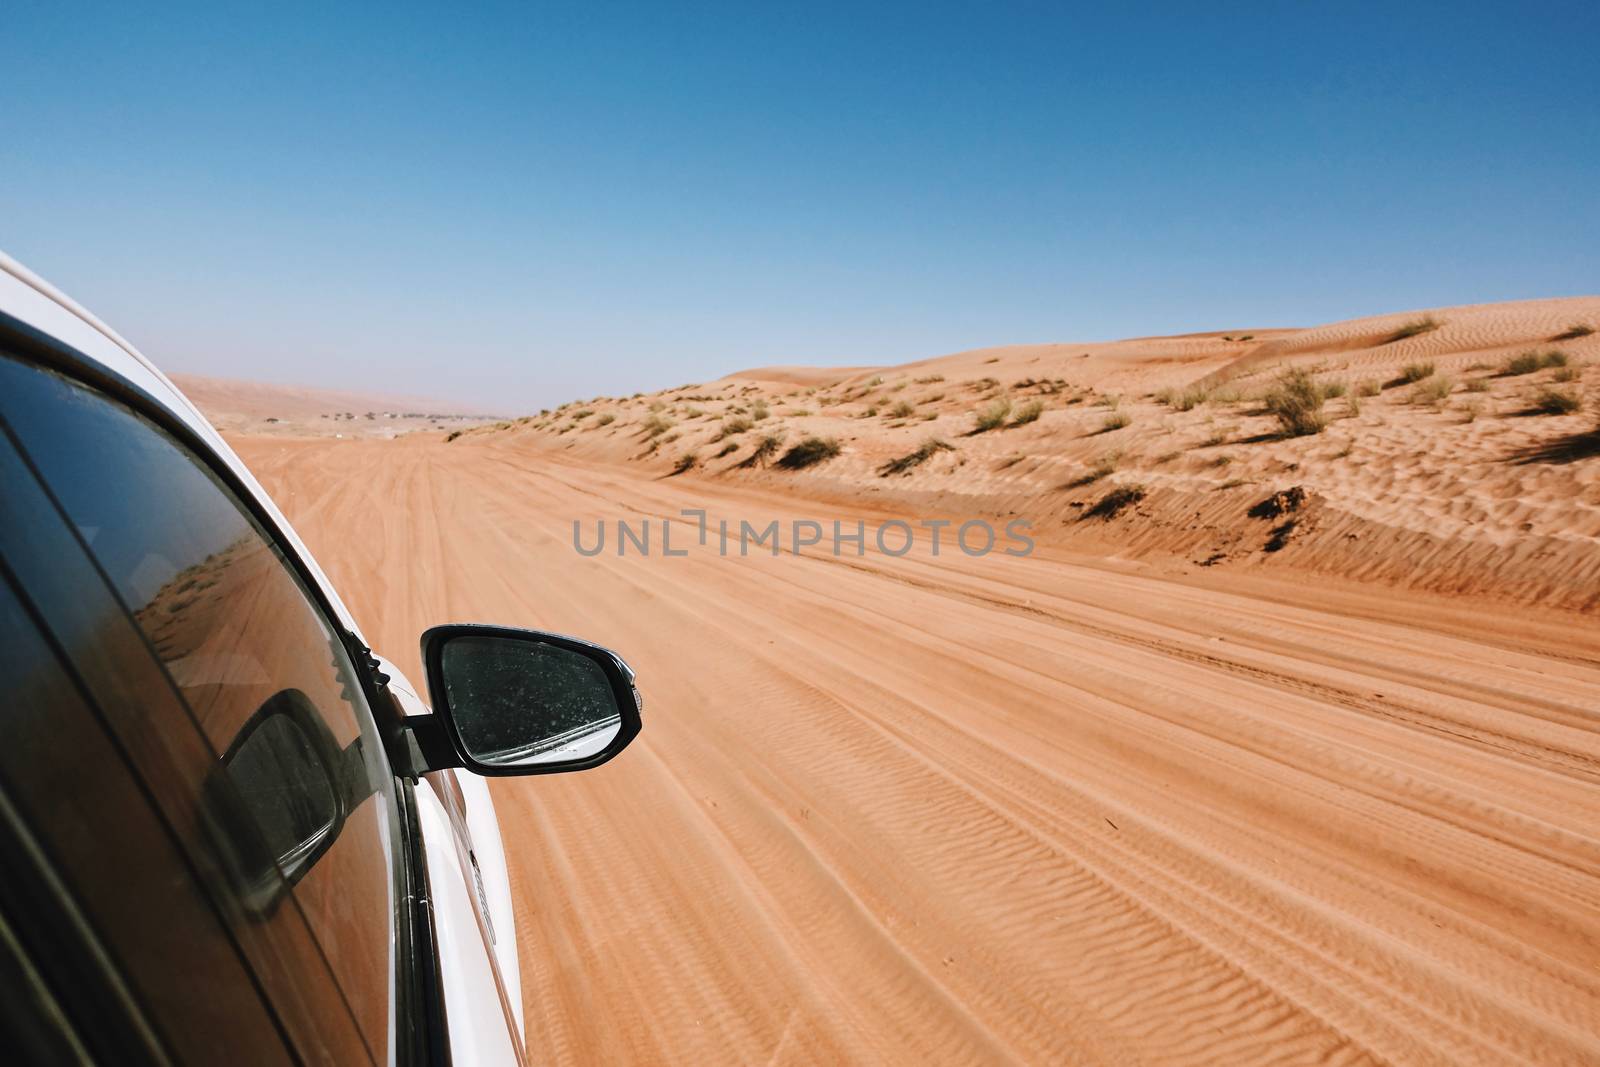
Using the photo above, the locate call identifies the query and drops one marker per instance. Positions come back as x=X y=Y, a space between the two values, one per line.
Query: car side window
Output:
x=261 y=671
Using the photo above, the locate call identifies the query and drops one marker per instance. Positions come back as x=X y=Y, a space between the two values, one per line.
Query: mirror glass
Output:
x=520 y=700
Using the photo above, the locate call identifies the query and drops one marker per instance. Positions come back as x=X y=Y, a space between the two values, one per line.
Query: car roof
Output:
x=37 y=304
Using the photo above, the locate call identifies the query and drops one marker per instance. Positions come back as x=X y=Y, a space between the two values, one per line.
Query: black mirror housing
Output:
x=508 y=701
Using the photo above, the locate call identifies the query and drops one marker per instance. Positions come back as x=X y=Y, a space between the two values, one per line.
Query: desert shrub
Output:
x=1027 y=413
x=656 y=405
x=606 y=419
x=656 y=425
x=1426 y=324
x=1553 y=358
x=1433 y=390
x=1566 y=374
x=685 y=462
x=1330 y=390
x=1296 y=402
x=1228 y=394
x=903 y=410
x=929 y=380
x=1114 y=421
x=758 y=410
x=733 y=426
x=993 y=416
x=1116 y=501
x=1370 y=387
x=1557 y=402
x=1477 y=385
x=810 y=451
x=765 y=448
x=1106 y=464
x=727 y=450
x=924 y=452
x=1523 y=363
x=451 y=436
x=1573 y=332
x=584 y=414
x=1415 y=372
x=1190 y=398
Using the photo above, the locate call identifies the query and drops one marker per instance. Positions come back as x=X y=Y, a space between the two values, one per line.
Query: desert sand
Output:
x=1185 y=785
x=258 y=409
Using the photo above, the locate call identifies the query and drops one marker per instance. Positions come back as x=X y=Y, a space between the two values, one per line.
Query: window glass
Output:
x=259 y=667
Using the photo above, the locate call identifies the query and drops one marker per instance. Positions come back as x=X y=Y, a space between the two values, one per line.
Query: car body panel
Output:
x=470 y=887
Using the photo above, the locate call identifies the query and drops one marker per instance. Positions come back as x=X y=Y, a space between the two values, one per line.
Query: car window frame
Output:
x=418 y=1024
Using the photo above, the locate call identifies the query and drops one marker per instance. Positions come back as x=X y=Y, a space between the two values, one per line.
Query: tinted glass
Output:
x=81 y=801
x=238 y=634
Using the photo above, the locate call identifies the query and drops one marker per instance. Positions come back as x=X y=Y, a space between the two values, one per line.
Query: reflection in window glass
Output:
x=234 y=627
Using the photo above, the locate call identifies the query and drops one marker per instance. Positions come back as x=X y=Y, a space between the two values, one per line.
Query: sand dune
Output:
x=1093 y=805
x=1454 y=483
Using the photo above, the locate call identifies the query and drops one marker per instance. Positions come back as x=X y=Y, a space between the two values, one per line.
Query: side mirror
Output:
x=509 y=701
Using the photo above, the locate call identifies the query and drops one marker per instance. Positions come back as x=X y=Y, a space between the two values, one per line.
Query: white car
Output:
x=229 y=831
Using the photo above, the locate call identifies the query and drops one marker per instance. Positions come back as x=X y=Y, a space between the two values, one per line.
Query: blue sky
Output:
x=527 y=203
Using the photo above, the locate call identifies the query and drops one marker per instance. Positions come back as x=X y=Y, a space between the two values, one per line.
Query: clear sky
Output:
x=518 y=205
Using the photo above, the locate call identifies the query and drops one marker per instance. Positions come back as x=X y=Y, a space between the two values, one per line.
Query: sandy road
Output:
x=959 y=810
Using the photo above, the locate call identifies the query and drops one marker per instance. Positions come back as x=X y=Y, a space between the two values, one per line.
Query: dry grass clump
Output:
x=656 y=425
x=765 y=449
x=809 y=452
x=1477 y=385
x=1530 y=361
x=924 y=452
x=1183 y=399
x=758 y=410
x=1027 y=413
x=1113 y=422
x=993 y=416
x=733 y=426
x=1370 y=387
x=1426 y=324
x=903 y=410
x=1433 y=390
x=1557 y=402
x=1566 y=374
x=1296 y=402
x=1116 y=501
x=606 y=419
x=1573 y=332
x=1412 y=373
x=727 y=450
x=685 y=462
x=1331 y=390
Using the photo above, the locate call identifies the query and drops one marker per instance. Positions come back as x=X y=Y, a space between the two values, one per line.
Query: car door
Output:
x=220 y=814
